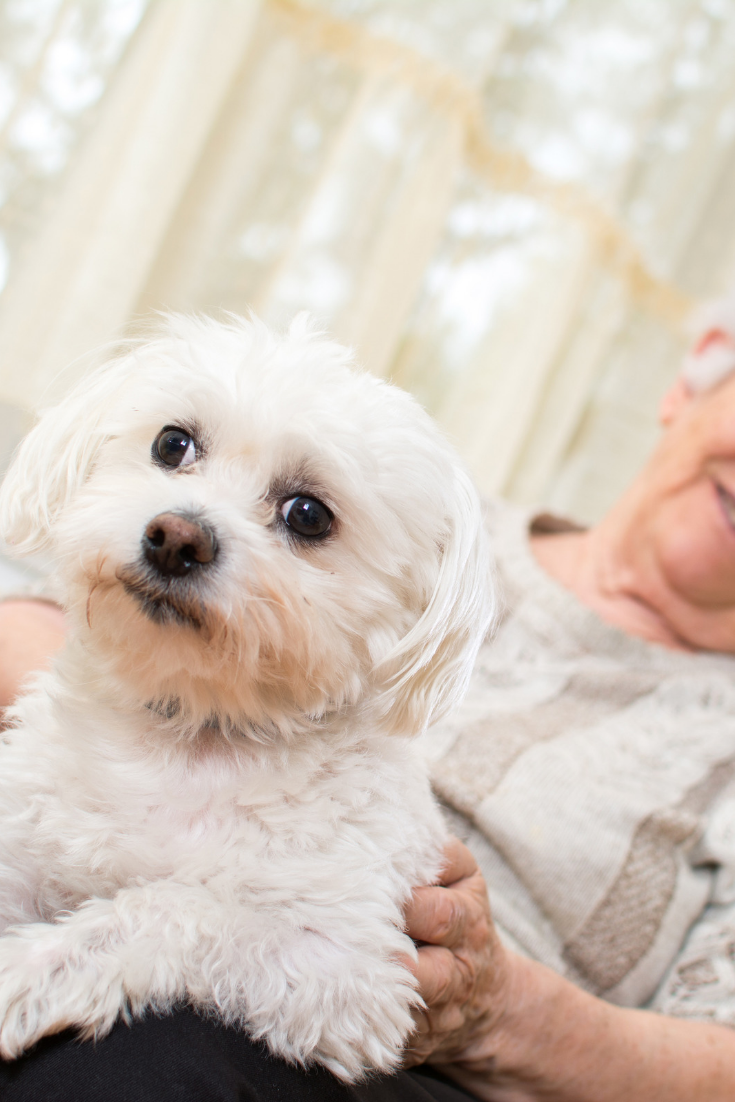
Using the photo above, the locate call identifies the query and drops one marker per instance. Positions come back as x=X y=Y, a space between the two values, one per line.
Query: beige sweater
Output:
x=593 y=775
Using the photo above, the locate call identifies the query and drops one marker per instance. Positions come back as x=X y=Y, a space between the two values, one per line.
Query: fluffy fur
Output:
x=214 y=796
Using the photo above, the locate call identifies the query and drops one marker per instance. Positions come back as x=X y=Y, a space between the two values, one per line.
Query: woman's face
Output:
x=692 y=510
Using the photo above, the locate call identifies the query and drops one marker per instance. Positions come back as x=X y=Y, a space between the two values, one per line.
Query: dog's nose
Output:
x=175 y=544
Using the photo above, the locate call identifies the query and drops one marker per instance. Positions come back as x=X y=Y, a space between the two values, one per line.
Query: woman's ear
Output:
x=674 y=401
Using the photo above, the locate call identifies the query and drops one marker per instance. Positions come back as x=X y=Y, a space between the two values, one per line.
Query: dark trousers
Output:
x=185 y=1058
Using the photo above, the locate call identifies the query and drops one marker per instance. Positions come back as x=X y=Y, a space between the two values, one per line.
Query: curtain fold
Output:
x=80 y=277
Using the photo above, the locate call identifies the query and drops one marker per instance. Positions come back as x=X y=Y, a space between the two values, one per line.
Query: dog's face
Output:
x=250 y=529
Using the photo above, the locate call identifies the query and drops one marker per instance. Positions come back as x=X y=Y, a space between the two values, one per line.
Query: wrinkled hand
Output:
x=463 y=970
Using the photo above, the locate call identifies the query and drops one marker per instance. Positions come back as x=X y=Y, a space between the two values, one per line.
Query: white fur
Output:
x=227 y=809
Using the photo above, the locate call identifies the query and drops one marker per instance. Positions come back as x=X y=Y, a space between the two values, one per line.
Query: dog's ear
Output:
x=52 y=462
x=431 y=666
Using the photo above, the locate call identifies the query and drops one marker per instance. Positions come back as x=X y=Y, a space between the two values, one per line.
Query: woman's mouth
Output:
x=727 y=501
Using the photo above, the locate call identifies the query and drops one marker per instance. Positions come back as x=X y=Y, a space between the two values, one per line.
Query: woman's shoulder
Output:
x=537 y=613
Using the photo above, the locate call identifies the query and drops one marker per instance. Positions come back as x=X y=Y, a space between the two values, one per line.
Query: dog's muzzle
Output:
x=176 y=545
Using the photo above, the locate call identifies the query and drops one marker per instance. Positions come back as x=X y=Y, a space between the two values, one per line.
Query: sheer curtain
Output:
x=506 y=208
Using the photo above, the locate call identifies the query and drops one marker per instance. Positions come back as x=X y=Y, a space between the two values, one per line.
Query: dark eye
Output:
x=307 y=516
x=175 y=448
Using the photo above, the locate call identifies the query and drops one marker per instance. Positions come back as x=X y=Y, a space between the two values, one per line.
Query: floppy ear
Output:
x=52 y=462
x=430 y=668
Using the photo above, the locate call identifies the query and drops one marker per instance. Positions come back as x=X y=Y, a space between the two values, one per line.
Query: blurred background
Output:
x=505 y=206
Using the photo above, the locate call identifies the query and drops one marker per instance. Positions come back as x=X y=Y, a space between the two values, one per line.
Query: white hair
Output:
x=707 y=363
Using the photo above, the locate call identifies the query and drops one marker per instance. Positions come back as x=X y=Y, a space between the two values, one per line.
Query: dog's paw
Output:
x=349 y=1010
x=366 y=1030
x=43 y=990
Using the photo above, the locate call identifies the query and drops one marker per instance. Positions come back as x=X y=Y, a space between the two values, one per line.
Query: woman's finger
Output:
x=441 y=979
x=459 y=863
x=437 y=916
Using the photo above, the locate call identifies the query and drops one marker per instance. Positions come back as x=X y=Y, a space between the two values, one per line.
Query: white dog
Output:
x=275 y=577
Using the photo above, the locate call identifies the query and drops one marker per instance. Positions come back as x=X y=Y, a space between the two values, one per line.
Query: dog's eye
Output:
x=307 y=516
x=175 y=448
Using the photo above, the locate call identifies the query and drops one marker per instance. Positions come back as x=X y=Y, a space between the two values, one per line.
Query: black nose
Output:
x=175 y=545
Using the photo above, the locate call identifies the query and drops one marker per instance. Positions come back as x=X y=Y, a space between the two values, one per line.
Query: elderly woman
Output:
x=591 y=772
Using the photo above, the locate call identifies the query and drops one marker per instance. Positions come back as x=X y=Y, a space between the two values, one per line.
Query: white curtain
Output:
x=506 y=208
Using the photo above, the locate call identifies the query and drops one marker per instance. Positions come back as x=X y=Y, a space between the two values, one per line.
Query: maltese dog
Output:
x=275 y=578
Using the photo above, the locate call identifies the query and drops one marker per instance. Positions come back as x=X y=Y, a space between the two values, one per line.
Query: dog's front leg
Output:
x=343 y=1001
x=145 y=947
x=322 y=997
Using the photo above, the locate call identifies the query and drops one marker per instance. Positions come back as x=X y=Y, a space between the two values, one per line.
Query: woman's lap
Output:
x=185 y=1058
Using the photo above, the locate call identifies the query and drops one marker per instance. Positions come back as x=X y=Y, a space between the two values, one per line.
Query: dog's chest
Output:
x=300 y=823
x=175 y=830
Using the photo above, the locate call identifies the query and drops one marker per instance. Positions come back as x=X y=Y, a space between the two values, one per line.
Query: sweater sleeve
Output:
x=700 y=984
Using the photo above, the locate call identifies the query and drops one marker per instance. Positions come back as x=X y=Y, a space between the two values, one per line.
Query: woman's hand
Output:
x=462 y=969
x=510 y=1030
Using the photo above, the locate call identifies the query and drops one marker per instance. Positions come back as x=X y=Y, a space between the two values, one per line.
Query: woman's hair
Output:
x=711 y=355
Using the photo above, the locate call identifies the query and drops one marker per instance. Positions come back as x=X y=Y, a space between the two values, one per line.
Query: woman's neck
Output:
x=601 y=570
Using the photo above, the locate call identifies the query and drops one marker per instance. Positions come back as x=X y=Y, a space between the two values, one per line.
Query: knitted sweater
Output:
x=593 y=775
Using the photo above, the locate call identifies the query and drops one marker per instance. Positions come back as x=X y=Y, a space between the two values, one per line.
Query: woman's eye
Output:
x=307 y=516
x=175 y=448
